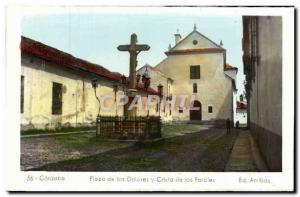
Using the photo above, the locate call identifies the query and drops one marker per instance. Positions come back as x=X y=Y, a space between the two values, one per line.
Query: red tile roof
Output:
x=229 y=67
x=49 y=53
x=61 y=58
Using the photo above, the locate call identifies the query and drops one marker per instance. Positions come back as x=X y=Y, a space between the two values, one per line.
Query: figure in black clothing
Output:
x=237 y=124
x=228 y=125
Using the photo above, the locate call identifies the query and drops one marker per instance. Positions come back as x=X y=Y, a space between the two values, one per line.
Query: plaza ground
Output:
x=41 y=147
x=185 y=147
x=182 y=148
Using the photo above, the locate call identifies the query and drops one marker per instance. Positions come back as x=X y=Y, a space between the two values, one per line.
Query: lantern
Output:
x=123 y=79
x=94 y=83
x=147 y=82
x=138 y=77
x=160 y=89
x=145 y=75
x=143 y=78
x=115 y=88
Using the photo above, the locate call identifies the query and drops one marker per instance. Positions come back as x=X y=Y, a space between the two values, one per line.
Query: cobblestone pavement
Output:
x=245 y=156
x=207 y=150
x=38 y=151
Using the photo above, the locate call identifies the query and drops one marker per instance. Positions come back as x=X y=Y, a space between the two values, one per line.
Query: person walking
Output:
x=228 y=125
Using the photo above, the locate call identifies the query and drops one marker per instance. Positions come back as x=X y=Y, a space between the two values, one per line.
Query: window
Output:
x=22 y=94
x=210 y=109
x=195 y=72
x=56 y=98
x=195 y=88
x=157 y=107
x=180 y=110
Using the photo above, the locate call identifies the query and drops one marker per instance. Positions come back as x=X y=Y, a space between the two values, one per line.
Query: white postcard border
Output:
x=17 y=180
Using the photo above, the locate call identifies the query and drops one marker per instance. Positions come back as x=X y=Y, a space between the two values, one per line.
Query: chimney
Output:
x=221 y=43
x=195 y=27
x=177 y=37
x=169 y=47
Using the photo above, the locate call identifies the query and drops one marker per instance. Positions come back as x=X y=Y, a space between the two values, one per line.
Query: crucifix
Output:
x=134 y=49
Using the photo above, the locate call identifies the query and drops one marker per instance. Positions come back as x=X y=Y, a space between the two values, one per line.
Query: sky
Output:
x=95 y=36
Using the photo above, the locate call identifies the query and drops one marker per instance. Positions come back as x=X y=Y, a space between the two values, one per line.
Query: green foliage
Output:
x=84 y=140
x=56 y=130
x=177 y=129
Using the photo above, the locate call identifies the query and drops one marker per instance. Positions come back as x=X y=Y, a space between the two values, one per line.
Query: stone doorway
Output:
x=196 y=114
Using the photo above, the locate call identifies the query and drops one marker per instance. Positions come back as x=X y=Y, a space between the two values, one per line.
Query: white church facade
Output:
x=197 y=67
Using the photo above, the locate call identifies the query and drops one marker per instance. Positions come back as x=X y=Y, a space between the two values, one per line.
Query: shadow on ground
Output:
x=207 y=150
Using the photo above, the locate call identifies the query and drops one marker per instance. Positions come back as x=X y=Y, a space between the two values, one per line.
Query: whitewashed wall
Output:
x=214 y=87
x=80 y=106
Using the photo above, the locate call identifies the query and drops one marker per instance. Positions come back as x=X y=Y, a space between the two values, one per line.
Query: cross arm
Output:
x=142 y=47
x=124 y=47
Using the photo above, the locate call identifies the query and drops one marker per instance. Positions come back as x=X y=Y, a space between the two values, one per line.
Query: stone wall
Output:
x=265 y=104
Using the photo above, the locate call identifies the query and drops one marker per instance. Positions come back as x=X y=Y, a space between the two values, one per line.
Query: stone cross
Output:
x=134 y=49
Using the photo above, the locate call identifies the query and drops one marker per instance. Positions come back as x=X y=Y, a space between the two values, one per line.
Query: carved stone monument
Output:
x=134 y=49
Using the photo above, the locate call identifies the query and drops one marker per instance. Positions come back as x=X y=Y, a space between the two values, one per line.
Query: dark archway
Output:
x=196 y=114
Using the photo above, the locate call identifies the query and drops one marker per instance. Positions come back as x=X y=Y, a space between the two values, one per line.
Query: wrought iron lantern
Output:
x=138 y=77
x=241 y=98
x=115 y=88
x=160 y=89
x=147 y=82
x=94 y=83
x=145 y=75
x=143 y=78
x=123 y=79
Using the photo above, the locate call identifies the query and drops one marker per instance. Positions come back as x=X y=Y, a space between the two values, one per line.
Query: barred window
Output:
x=210 y=109
x=56 y=98
x=22 y=94
x=195 y=88
x=195 y=72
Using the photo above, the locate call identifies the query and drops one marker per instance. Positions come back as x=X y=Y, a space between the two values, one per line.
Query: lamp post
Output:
x=98 y=119
x=95 y=85
x=115 y=87
x=147 y=81
x=160 y=92
x=124 y=82
x=138 y=77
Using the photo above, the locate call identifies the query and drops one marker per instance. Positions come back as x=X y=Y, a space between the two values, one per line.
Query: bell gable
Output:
x=195 y=40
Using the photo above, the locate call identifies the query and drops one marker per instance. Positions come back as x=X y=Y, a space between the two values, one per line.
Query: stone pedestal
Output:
x=131 y=94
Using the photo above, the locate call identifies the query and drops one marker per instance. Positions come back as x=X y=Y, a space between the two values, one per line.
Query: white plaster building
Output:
x=158 y=78
x=240 y=113
x=56 y=88
x=198 y=67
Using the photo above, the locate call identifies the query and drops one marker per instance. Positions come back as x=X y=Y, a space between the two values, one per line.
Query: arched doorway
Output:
x=196 y=114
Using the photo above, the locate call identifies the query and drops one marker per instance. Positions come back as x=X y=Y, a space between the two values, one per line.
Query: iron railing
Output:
x=138 y=127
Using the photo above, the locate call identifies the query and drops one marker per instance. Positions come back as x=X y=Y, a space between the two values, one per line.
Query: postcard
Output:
x=149 y=98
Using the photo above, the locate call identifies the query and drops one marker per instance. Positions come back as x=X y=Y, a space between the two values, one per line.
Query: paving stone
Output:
x=242 y=157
